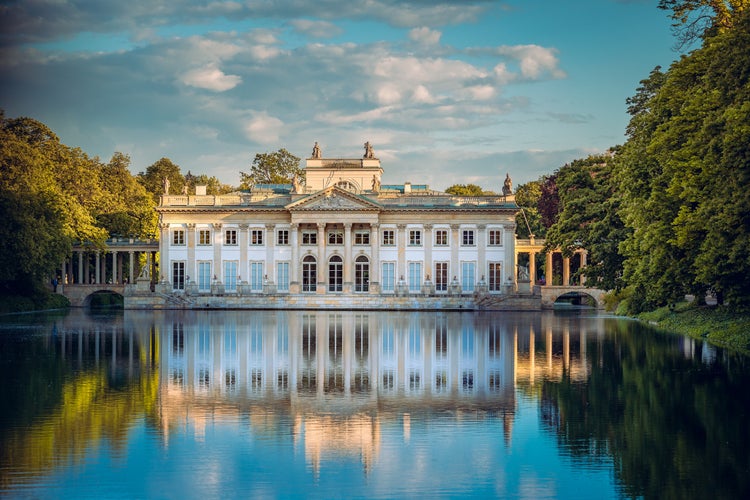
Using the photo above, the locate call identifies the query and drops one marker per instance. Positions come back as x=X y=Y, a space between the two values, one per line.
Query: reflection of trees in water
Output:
x=674 y=420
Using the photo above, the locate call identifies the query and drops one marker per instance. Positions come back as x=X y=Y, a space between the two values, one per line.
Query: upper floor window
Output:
x=467 y=238
x=282 y=237
x=389 y=237
x=230 y=237
x=415 y=237
x=496 y=237
x=178 y=237
x=309 y=238
x=362 y=238
x=336 y=237
x=204 y=237
x=441 y=238
x=256 y=237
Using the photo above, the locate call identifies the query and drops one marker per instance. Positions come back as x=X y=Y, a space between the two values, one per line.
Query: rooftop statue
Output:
x=369 y=153
x=316 y=151
x=165 y=183
x=507 y=185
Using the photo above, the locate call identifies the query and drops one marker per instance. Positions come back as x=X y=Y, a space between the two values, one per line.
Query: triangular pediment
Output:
x=332 y=199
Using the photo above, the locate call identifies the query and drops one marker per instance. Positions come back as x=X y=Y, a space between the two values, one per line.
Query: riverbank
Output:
x=717 y=324
x=15 y=303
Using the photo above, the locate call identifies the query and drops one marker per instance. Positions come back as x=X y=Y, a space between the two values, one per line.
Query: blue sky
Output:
x=448 y=92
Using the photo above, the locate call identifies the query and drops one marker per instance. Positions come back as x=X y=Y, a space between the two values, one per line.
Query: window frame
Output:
x=468 y=238
x=256 y=237
x=178 y=237
x=204 y=237
x=230 y=237
x=415 y=237
x=441 y=234
x=388 y=238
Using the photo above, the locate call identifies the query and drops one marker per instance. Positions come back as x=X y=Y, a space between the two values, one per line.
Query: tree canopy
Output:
x=278 y=167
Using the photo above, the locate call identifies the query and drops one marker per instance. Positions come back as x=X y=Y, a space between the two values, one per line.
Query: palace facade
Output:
x=341 y=237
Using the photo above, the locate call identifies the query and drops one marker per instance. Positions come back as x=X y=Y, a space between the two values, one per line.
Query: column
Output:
x=481 y=251
x=294 y=265
x=509 y=237
x=98 y=277
x=566 y=271
x=164 y=243
x=584 y=262
x=244 y=242
x=270 y=270
x=548 y=269
x=114 y=266
x=532 y=267
x=87 y=269
x=455 y=243
x=218 y=244
x=375 y=259
x=131 y=275
x=348 y=258
x=322 y=264
x=401 y=242
x=190 y=269
x=428 y=271
x=81 y=280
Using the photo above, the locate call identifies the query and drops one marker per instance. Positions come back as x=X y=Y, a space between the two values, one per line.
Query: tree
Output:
x=278 y=167
x=213 y=185
x=529 y=218
x=466 y=190
x=698 y=19
x=153 y=178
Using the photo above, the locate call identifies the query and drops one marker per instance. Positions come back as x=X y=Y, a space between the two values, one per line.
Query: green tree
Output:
x=529 y=219
x=465 y=190
x=697 y=19
x=213 y=184
x=153 y=178
x=278 y=167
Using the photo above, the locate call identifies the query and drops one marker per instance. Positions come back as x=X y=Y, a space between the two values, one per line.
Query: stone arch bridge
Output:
x=80 y=295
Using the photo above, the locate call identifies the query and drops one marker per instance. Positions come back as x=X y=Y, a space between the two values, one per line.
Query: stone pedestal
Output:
x=243 y=288
x=143 y=285
x=454 y=288
x=269 y=287
x=524 y=286
x=428 y=288
x=191 y=288
x=217 y=288
x=401 y=289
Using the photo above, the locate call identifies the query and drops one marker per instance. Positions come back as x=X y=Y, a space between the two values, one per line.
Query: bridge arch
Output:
x=550 y=294
x=80 y=295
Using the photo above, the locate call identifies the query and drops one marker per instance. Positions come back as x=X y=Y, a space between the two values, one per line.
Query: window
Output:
x=309 y=238
x=496 y=238
x=178 y=237
x=230 y=276
x=441 y=238
x=230 y=237
x=335 y=274
x=282 y=276
x=362 y=274
x=415 y=277
x=309 y=274
x=467 y=237
x=256 y=237
x=415 y=238
x=336 y=237
x=256 y=276
x=178 y=275
x=389 y=237
x=362 y=238
x=282 y=237
x=388 y=277
x=495 y=277
x=204 y=276
x=441 y=276
x=468 y=276
x=204 y=237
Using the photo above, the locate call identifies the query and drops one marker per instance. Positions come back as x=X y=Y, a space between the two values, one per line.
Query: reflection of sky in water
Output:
x=257 y=434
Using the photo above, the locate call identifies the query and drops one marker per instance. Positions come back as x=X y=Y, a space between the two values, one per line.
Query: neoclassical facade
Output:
x=340 y=233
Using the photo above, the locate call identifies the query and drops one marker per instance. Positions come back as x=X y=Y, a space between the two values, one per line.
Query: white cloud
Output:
x=316 y=29
x=263 y=128
x=425 y=36
x=535 y=61
x=210 y=77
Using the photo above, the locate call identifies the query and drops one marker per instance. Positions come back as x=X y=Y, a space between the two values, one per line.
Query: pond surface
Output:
x=274 y=404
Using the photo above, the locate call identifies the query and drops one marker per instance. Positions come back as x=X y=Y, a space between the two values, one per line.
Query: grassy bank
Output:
x=12 y=302
x=719 y=325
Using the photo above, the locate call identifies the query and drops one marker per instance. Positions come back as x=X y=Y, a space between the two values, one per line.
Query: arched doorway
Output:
x=309 y=274
x=362 y=274
x=335 y=274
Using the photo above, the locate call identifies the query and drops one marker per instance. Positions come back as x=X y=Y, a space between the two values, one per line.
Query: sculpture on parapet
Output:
x=316 y=151
x=507 y=185
x=296 y=183
x=165 y=184
x=369 y=153
x=375 y=184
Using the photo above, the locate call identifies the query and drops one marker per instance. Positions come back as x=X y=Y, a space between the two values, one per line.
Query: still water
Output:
x=276 y=404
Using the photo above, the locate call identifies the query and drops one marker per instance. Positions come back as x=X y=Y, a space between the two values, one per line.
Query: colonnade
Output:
x=120 y=262
x=533 y=247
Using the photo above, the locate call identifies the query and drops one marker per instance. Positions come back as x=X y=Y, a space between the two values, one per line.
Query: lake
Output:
x=329 y=404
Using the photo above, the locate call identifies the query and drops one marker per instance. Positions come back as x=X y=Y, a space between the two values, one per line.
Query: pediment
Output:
x=332 y=199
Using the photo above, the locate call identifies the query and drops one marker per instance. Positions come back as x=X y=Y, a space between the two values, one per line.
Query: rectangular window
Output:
x=467 y=238
x=415 y=277
x=230 y=276
x=496 y=238
x=415 y=238
x=204 y=276
x=178 y=275
x=256 y=237
x=389 y=237
x=204 y=237
x=336 y=237
x=495 y=281
x=282 y=276
x=441 y=238
x=282 y=237
x=441 y=276
x=230 y=237
x=468 y=276
x=388 y=277
x=256 y=276
x=178 y=237
x=362 y=238
x=309 y=238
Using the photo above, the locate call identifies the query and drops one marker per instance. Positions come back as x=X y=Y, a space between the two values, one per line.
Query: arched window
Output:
x=335 y=274
x=309 y=274
x=361 y=274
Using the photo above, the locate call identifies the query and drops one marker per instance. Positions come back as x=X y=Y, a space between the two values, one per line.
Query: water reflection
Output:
x=444 y=403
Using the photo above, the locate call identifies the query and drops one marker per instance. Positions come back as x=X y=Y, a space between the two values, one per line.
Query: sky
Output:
x=447 y=91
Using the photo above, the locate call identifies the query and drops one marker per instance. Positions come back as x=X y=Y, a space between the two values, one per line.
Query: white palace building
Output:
x=340 y=239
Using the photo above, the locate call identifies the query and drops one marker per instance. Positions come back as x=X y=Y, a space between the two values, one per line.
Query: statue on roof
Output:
x=316 y=151
x=507 y=185
x=296 y=183
x=369 y=153
x=375 y=184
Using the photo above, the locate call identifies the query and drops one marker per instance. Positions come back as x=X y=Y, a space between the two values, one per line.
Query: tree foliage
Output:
x=278 y=167
x=529 y=220
x=698 y=19
x=466 y=190
x=153 y=178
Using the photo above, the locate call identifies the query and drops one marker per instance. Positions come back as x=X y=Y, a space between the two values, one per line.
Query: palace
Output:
x=339 y=239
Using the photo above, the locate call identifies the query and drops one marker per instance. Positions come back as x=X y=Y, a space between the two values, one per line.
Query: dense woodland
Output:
x=665 y=214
